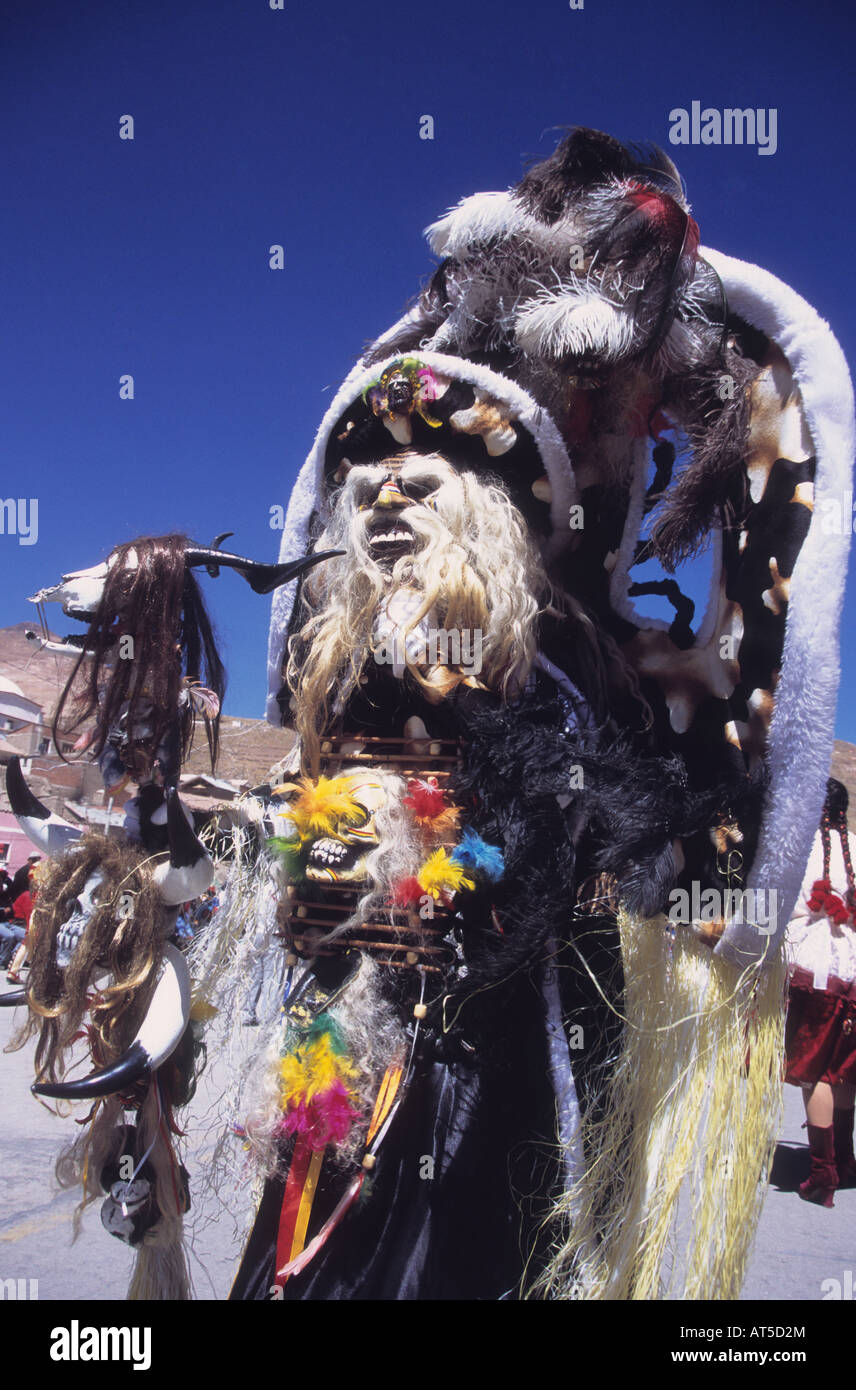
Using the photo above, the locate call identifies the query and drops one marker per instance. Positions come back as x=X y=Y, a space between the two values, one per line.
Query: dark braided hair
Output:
x=834 y=817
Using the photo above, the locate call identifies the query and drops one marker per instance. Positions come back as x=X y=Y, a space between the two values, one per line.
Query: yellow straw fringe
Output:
x=677 y=1162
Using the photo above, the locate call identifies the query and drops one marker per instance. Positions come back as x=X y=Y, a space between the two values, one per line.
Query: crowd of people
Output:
x=193 y=916
x=17 y=895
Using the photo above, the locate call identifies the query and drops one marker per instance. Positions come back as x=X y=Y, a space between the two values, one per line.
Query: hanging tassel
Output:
x=817 y=897
x=823 y=899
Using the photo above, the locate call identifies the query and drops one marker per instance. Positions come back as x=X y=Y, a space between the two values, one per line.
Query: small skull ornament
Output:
x=72 y=929
x=129 y=1210
x=341 y=857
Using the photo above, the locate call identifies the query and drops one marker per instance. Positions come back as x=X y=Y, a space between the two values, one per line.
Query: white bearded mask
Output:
x=439 y=577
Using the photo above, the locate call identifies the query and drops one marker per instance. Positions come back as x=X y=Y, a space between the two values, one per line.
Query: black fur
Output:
x=586 y=158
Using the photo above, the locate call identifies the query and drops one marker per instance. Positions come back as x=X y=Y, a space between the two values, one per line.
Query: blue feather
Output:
x=474 y=853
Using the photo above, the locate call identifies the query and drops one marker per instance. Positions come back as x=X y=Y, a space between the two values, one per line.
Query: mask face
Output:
x=75 y=924
x=339 y=855
x=392 y=501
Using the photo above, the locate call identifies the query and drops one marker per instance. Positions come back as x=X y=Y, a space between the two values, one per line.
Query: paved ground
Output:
x=799 y=1246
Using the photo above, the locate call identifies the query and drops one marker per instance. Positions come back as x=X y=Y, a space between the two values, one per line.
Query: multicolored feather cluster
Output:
x=317 y=1080
x=321 y=804
x=429 y=808
x=447 y=868
x=319 y=808
x=473 y=852
x=441 y=875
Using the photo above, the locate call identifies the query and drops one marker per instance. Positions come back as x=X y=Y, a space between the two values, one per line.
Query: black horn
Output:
x=48 y=831
x=13 y=999
x=135 y=1065
x=21 y=799
x=189 y=871
x=262 y=578
x=157 y=1038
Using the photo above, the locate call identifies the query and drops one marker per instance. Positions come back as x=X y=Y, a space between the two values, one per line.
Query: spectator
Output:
x=12 y=933
x=820 y=1041
x=7 y=896
x=21 y=881
x=18 y=928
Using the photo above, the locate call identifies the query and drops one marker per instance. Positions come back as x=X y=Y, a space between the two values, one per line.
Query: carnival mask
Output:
x=330 y=825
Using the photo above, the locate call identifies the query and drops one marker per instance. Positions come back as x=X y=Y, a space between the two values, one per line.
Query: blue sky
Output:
x=300 y=127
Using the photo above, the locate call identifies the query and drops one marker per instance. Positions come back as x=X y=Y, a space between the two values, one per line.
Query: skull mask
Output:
x=72 y=929
x=338 y=855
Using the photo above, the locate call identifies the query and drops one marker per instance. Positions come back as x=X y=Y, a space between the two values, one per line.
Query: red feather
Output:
x=407 y=892
x=424 y=800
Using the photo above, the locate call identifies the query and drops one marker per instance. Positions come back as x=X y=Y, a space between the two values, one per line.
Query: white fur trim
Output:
x=477 y=218
x=484 y=216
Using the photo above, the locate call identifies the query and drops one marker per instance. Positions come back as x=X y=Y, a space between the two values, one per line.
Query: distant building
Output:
x=21 y=723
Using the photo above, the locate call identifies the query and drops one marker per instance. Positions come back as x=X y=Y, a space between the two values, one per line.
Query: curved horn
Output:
x=13 y=998
x=189 y=871
x=159 y=1034
x=216 y=544
x=48 y=831
x=262 y=579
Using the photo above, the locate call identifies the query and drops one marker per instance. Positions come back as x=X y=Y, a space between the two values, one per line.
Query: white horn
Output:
x=160 y=1033
x=190 y=870
x=48 y=831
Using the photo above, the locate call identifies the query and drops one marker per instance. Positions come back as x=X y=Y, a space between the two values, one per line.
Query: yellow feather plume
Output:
x=312 y=1069
x=440 y=874
x=322 y=805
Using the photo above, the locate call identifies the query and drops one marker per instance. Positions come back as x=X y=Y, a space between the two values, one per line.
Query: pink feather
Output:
x=326 y=1119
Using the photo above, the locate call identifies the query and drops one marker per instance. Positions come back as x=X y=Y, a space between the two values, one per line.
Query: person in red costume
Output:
x=820 y=1041
x=22 y=909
